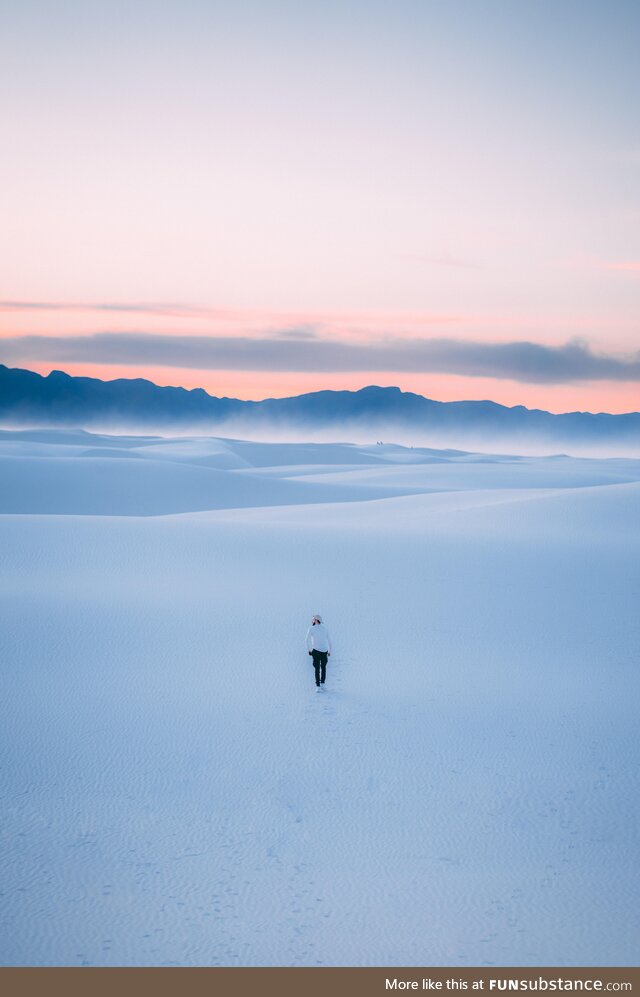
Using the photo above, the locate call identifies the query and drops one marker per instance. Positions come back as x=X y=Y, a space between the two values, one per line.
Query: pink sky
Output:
x=359 y=174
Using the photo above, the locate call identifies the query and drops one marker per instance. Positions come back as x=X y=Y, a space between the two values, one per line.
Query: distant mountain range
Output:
x=29 y=399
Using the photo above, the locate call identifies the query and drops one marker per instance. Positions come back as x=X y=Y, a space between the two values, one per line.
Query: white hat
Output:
x=317 y=617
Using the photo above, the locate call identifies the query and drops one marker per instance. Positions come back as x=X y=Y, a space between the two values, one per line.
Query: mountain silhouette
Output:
x=28 y=398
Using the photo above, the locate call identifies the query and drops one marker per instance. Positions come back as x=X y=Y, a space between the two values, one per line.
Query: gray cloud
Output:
x=519 y=361
x=162 y=308
x=301 y=332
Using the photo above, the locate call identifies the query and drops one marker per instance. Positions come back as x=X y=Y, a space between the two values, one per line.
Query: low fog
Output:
x=356 y=432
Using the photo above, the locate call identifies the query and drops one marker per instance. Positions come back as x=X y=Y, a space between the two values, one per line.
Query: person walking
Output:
x=319 y=647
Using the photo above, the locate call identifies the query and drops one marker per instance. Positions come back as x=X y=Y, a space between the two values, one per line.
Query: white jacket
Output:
x=318 y=638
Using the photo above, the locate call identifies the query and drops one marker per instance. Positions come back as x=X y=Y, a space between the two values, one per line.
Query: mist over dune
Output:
x=80 y=473
x=27 y=398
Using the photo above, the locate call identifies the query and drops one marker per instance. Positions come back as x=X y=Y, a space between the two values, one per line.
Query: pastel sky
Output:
x=264 y=198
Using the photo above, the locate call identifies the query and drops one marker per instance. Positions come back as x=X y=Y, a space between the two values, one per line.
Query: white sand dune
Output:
x=110 y=482
x=175 y=792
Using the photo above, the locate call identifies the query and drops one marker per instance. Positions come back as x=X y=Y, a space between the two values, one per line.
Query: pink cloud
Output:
x=630 y=266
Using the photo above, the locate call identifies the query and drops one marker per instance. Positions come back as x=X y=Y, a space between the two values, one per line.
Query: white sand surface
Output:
x=175 y=792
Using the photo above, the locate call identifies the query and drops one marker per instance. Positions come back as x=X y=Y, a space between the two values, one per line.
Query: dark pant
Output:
x=320 y=665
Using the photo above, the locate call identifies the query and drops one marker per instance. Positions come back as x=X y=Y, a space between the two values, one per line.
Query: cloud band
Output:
x=520 y=361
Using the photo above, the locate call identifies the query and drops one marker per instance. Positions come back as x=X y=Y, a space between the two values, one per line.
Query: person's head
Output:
x=316 y=619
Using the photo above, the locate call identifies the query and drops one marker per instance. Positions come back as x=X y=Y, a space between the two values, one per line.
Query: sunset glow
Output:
x=358 y=178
